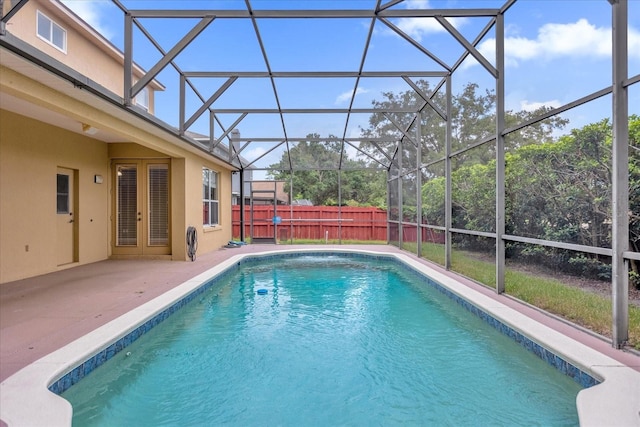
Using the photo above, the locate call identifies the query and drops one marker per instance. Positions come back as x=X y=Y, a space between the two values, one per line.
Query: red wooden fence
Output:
x=314 y=222
x=325 y=222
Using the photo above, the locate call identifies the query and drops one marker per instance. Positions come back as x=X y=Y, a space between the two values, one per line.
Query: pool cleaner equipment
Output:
x=192 y=242
x=234 y=244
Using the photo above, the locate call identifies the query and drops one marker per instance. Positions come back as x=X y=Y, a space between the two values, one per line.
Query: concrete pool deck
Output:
x=43 y=314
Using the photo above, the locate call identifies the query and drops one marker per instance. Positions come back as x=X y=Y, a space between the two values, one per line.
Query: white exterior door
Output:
x=65 y=221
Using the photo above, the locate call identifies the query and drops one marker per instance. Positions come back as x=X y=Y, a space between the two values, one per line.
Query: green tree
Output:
x=562 y=191
x=558 y=191
x=315 y=165
x=473 y=178
x=433 y=192
x=384 y=125
x=472 y=120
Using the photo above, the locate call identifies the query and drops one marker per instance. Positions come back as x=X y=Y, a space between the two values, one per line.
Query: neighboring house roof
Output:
x=266 y=186
x=221 y=150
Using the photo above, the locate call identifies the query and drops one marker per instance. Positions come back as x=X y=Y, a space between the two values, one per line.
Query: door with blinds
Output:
x=141 y=207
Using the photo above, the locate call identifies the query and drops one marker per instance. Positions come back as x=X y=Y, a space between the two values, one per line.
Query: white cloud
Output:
x=417 y=4
x=532 y=106
x=419 y=27
x=633 y=43
x=579 y=39
x=575 y=39
x=253 y=153
x=346 y=96
x=91 y=13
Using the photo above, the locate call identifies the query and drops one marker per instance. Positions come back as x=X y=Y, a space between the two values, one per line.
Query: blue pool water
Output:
x=335 y=341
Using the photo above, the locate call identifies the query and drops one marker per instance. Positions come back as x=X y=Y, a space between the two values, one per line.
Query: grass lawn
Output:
x=579 y=306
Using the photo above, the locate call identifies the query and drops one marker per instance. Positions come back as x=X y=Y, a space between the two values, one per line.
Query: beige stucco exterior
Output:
x=41 y=119
x=87 y=51
x=30 y=152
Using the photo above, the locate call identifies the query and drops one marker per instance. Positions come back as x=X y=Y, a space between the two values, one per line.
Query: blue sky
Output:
x=556 y=52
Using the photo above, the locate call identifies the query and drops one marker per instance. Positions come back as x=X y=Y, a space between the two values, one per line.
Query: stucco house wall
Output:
x=88 y=52
x=41 y=121
x=30 y=152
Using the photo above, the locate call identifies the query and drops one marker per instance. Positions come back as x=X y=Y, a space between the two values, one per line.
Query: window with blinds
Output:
x=127 y=205
x=158 y=204
x=209 y=197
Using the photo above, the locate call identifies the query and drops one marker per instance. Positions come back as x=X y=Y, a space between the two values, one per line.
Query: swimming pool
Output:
x=596 y=405
x=324 y=340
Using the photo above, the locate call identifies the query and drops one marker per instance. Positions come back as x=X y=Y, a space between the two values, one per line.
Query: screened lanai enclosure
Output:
x=499 y=139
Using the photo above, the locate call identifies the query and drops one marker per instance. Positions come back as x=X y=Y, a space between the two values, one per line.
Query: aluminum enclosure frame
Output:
x=391 y=162
x=620 y=253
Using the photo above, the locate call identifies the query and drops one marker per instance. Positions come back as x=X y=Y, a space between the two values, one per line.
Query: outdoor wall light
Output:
x=88 y=129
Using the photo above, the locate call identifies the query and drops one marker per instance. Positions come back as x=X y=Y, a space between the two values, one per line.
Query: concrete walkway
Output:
x=41 y=314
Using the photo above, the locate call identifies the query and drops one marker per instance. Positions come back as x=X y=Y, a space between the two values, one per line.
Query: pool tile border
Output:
x=567 y=368
x=76 y=374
